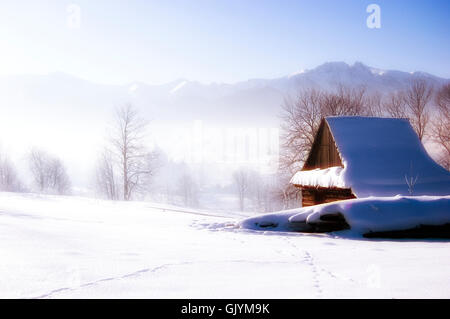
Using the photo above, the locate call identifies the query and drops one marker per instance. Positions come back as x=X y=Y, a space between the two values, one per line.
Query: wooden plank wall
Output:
x=316 y=196
x=323 y=153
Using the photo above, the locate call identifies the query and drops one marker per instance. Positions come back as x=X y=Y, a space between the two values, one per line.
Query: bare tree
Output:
x=49 y=173
x=394 y=105
x=417 y=97
x=440 y=132
x=374 y=104
x=106 y=179
x=280 y=193
x=300 y=122
x=265 y=192
x=345 y=101
x=128 y=146
x=241 y=179
x=58 y=178
x=9 y=180
x=188 y=189
x=39 y=168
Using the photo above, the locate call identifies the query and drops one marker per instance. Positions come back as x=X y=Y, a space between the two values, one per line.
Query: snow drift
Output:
x=363 y=216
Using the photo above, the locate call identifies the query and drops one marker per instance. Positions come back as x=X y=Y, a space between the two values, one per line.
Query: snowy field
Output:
x=70 y=247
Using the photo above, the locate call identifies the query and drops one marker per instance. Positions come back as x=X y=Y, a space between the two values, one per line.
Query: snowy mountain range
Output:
x=180 y=100
x=68 y=116
x=261 y=98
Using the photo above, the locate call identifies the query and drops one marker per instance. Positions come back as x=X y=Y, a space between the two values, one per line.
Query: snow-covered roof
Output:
x=378 y=155
x=328 y=177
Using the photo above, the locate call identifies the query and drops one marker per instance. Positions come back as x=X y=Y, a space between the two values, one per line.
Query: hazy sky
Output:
x=217 y=40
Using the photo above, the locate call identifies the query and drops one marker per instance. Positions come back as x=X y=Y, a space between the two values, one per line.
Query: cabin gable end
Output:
x=324 y=152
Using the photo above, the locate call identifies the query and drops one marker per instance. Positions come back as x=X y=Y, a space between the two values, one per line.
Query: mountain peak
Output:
x=332 y=66
x=360 y=65
x=178 y=86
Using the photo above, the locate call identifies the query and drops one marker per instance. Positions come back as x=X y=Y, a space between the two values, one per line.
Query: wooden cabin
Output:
x=354 y=156
x=323 y=154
